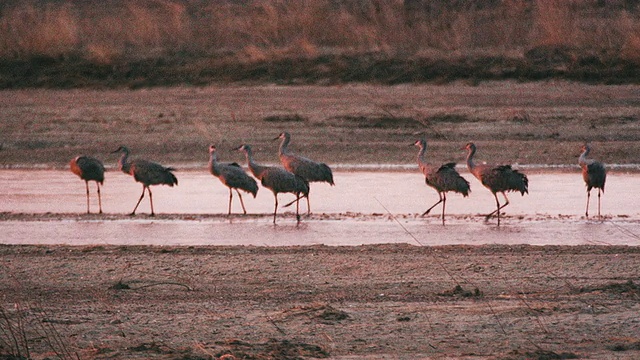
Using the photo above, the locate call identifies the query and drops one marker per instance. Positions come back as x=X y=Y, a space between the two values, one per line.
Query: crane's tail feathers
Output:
x=519 y=182
x=464 y=187
x=171 y=179
x=326 y=174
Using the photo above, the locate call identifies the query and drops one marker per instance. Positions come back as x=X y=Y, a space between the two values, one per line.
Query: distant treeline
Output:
x=69 y=43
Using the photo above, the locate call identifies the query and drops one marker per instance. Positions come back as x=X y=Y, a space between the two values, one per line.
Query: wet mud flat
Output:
x=335 y=229
x=354 y=302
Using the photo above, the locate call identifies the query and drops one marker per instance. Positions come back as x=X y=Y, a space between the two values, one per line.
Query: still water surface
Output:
x=365 y=207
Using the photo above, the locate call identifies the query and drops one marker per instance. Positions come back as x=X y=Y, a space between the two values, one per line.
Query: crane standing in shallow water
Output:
x=594 y=175
x=308 y=169
x=278 y=180
x=498 y=179
x=443 y=179
x=146 y=172
x=233 y=176
x=89 y=169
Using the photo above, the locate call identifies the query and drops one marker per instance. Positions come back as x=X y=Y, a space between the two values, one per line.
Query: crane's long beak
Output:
x=116 y=150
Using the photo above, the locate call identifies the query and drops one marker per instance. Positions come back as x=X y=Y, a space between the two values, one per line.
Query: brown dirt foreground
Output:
x=365 y=302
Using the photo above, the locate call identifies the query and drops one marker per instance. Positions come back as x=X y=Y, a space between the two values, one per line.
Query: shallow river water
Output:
x=365 y=207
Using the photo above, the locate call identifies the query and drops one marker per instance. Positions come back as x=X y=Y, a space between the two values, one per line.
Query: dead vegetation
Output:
x=70 y=43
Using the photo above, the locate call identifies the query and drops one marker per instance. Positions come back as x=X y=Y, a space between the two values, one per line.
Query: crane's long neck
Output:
x=123 y=163
x=421 y=153
x=471 y=165
x=213 y=163
x=256 y=169
x=582 y=160
x=284 y=145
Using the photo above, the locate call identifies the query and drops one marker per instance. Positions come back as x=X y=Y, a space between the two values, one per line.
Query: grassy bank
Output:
x=71 y=43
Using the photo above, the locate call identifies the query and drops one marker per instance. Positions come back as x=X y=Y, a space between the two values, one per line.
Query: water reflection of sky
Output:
x=550 y=214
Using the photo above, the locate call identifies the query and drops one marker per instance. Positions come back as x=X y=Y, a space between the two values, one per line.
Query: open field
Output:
x=362 y=302
x=371 y=302
x=533 y=123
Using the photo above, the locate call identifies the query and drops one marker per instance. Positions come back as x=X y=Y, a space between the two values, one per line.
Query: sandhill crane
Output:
x=594 y=175
x=498 y=179
x=308 y=169
x=233 y=176
x=146 y=172
x=443 y=179
x=278 y=180
x=89 y=169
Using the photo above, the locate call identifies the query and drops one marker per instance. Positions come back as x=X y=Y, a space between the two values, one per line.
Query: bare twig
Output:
x=274 y=324
x=189 y=288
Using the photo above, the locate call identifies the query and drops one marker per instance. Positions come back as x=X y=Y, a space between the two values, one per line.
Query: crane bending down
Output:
x=146 y=172
x=278 y=180
x=308 y=169
x=498 y=179
x=443 y=179
x=594 y=175
x=233 y=176
x=89 y=169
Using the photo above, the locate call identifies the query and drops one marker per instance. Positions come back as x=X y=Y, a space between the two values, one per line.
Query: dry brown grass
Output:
x=73 y=43
x=121 y=29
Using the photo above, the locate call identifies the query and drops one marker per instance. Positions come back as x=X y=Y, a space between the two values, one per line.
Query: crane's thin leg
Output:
x=434 y=205
x=494 y=211
x=230 y=198
x=498 y=210
x=241 y=202
x=588 y=196
x=141 y=196
x=87 y=186
x=99 y=197
x=599 y=203
x=151 y=201
x=444 y=204
x=498 y=207
x=506 y=200
x=298 y=207
x=275 y=209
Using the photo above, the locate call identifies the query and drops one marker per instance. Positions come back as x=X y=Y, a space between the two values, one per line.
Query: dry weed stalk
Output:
x=277 y=28
x=14 y=329
x=13 y=337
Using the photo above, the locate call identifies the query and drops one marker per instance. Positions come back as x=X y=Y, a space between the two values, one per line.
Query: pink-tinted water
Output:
x=363 y=208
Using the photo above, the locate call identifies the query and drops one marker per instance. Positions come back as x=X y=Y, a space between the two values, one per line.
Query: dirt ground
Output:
x=361 y=302
x=516 y=123
x=366 y=302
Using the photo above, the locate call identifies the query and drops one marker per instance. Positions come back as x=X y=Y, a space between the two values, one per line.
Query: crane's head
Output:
x=469 y=147
x=283 y=135
x=123 y=149
x=212 y=149
x=243 y=147
x=422 y=143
